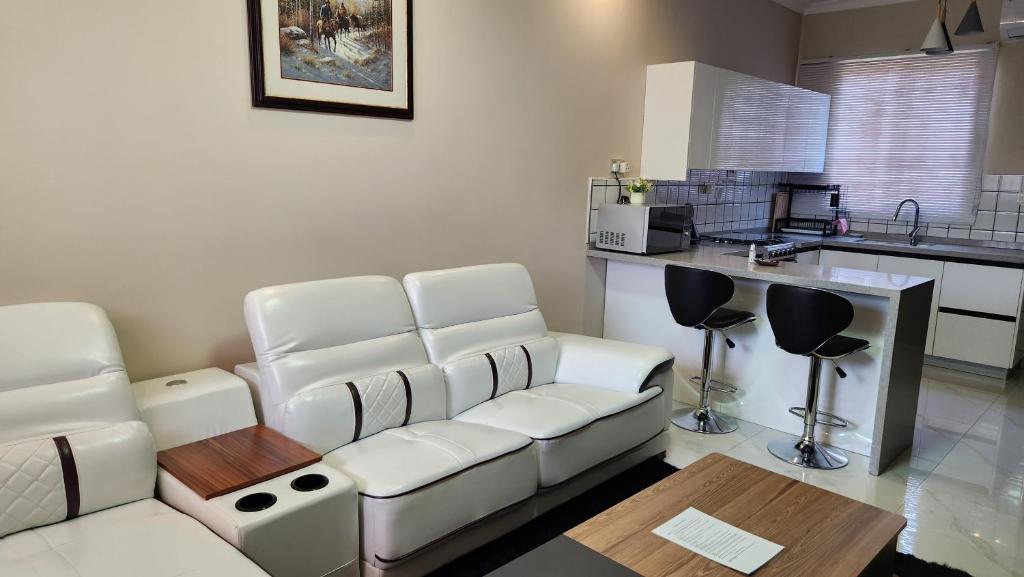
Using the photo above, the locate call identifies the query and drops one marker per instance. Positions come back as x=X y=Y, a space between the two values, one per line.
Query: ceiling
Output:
x=819 y=6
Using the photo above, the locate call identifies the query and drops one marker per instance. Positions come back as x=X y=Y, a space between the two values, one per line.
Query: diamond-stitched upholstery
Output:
x=384 y=402
x=512 y=369
x=31 y=486
x=471 y=379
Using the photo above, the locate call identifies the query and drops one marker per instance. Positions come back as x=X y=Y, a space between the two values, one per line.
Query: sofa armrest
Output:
x=182 y=409
x=304 y=533
x=615 y=365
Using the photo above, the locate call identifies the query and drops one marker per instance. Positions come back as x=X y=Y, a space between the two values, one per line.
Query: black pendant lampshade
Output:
x=971 y=24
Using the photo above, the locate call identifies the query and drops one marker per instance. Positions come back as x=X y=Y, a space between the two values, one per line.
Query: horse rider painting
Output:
x=325 y=11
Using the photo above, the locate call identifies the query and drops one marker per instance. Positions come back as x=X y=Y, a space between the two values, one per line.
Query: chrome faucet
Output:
x=917 y=215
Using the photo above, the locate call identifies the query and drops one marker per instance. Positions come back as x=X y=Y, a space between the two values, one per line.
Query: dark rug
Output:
x=910 y=566
x=482 y=561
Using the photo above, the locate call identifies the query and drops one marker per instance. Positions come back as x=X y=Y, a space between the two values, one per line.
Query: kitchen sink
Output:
x=897 y=243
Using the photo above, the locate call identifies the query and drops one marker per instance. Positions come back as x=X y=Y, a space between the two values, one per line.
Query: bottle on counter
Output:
x=752 y=255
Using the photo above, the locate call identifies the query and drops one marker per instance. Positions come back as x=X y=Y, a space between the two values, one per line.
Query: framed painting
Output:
x=340 y=56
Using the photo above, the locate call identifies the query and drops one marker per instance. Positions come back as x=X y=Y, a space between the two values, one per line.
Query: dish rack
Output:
x=782 y=215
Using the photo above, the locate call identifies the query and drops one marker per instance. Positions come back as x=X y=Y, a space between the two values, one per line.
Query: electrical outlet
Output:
x=620 y=166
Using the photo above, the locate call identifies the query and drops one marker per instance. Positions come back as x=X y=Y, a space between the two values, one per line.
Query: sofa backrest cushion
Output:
x=477 y=378
x=326 y=417
x=60 y=370
x=466 y=314
x=47 y=343
x=52 y=479
x=313 y=339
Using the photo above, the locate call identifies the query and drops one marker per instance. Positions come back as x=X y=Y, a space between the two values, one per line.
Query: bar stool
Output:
x=807 y=322
x=695 y=298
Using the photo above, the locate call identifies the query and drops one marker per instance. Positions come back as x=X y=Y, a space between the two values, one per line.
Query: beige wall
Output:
x=134 y=173
x=748 y=36
x=902 y=27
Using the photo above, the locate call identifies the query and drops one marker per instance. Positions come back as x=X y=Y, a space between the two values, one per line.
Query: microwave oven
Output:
x=645 y=228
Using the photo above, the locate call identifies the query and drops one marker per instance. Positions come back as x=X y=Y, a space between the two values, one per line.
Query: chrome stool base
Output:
x=704 y=421
x=794 y=451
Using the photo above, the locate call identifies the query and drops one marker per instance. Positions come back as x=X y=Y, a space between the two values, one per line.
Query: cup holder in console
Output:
x=255 y=502
x=311 y=482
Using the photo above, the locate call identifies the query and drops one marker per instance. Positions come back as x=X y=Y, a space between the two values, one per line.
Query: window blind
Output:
x=906 y=127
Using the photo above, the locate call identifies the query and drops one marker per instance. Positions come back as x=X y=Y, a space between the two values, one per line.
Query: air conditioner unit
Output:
x=1011 y=25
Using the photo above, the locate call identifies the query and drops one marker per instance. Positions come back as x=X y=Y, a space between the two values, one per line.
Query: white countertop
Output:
x=713 y=257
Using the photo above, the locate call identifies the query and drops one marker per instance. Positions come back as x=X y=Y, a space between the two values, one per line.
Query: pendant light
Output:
x=971 y=24
x=937 y=41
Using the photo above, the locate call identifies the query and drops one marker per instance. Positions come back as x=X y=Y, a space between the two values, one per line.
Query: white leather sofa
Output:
x=78 y=468
x=459 y=417
x=310 y=529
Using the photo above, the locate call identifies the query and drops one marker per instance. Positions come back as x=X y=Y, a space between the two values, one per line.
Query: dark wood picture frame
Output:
x=260 y=99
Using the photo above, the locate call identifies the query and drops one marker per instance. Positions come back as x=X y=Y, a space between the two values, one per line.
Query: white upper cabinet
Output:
x=749 y=131
x=806 y=130
x=701 y=117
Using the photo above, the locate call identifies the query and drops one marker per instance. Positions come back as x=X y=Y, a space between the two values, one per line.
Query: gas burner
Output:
x=745 y=238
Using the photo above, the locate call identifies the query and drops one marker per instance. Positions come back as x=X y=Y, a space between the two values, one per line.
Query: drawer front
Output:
x=899 y=267
x=983 y=289
x=974 y=340
x=857 y=260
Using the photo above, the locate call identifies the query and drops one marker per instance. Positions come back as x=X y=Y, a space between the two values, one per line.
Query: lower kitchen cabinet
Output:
x=857 y=260
x=897 y=266
x=975 y=340
x=976 y=308
x=983 y=289
x=808 y=257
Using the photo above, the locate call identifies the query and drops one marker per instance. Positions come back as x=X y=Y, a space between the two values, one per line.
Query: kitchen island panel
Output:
x=770 y=380
x=879 y=396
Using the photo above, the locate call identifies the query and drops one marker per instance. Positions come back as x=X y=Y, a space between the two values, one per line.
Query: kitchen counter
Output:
x=717 y=257
x=978 y=252
x=879 y=397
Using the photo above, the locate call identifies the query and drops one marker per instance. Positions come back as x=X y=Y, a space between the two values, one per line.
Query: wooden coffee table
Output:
x=824 y=534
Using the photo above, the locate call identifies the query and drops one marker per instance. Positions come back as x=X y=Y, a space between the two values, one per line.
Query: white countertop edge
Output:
x=812 y=276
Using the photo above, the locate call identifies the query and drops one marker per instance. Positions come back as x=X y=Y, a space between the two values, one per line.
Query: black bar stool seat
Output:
x=840 y=346
x=807 y=322
x=695 y=298
x=724 y=319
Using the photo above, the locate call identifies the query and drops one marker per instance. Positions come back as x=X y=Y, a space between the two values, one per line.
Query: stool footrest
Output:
x=715 y=385
x=822 y=418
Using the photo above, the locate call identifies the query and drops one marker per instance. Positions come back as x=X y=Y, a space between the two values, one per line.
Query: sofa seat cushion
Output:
x=141 y=538
x=575 y=427
x=421 y=482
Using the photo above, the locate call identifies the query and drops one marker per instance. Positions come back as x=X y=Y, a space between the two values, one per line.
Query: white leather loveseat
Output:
x=78 y=468
x=459 y=417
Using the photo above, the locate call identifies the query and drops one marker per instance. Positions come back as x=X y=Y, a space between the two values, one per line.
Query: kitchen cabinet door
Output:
x=900 y=269
x=975 y=340
x=809 y=257
x=750 y=123
x=679 y=114
x=982 y=289
x=857 y=260
x=806 y=130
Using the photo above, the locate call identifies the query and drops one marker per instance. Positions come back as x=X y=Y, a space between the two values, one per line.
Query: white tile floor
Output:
x=961 y=486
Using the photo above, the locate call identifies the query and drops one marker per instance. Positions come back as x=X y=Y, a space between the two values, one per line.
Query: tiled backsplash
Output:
x=999 y=215
x=734 y=200
x=721 y=199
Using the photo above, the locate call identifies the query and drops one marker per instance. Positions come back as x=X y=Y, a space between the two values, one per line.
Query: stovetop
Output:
x=745 y=238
